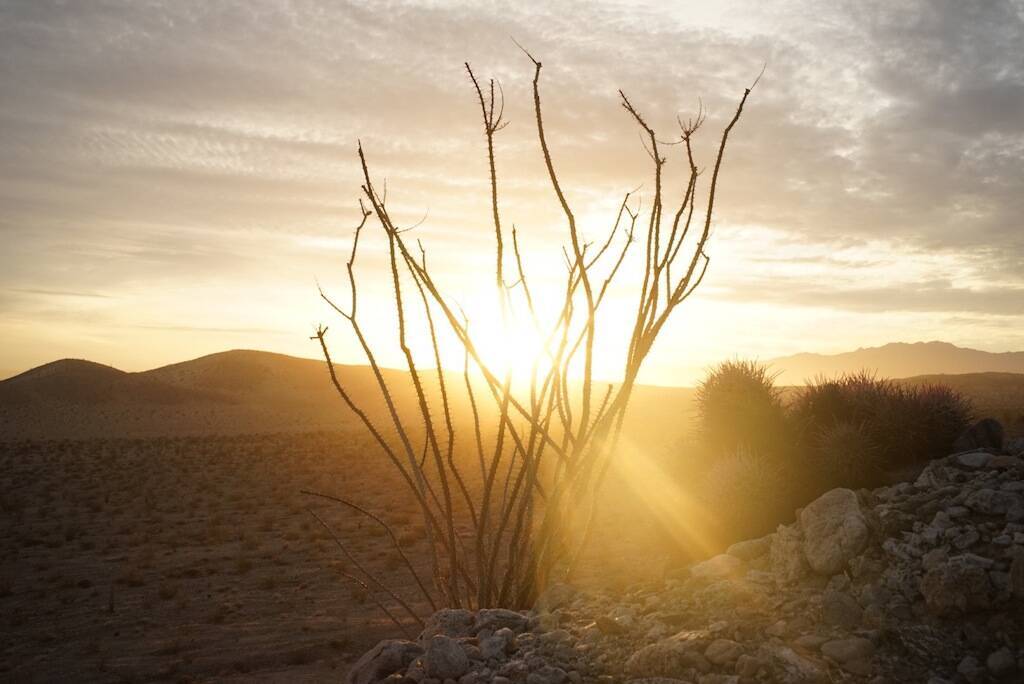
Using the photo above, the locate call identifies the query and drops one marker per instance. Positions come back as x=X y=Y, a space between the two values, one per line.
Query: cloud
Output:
x=144 y=147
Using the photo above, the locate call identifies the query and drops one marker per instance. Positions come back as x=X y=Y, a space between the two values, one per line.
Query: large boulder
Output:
x=384 y=659
x=834 y=530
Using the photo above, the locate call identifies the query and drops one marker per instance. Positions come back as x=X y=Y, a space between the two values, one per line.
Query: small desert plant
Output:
x=747 y=495
x=739 y=408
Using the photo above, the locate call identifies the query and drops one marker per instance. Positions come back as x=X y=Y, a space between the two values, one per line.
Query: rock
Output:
x=1014 y=446
x=834 y=530
x=991 y=501
x=747 y=666
x=810 y=642
x=498 y=645
x=986 y=433
x=384 y=659
x=1001 y=663
x=1016 y=581
x=973 y=459
x=666 y=658
x=971 y=670
x=723 y=651
x=966 y=539
x=956 y=585
x=547 y=675
x=787 y=558
x=751 y=548
x=609 y=625
x=839 y=609
x=445 y=658
x=494 y=619
x=795 y=668
x=721 y=566
x=449 y=622
x=846 y=650
x=717 y=678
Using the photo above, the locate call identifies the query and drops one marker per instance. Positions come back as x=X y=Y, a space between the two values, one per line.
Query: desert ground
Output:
x=195 y=557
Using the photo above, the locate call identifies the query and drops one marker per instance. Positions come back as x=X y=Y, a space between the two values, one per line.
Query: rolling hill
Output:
x=226 y=393
x=232 y=392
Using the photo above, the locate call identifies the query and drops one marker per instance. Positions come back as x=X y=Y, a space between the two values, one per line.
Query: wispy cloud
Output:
x=151 y=148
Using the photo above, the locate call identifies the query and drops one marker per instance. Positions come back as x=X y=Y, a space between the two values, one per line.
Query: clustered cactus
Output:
x=770 y=455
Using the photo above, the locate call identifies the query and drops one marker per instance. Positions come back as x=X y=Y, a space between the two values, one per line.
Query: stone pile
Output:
x=920 y=581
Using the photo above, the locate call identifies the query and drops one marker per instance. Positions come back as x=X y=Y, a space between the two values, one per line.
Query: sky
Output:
x=176 y=177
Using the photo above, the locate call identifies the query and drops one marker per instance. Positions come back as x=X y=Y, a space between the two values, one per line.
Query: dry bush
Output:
x=906 y=424
x=739 y=408
x=541 y=446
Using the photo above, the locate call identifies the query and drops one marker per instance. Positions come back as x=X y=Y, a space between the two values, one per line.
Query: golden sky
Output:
x=176 y=176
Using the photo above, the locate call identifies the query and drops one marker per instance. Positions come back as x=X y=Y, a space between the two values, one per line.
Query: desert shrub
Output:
x=747 y=494
x=937 y=415
x=740 y=409
x=900 y=425
x=844 y=455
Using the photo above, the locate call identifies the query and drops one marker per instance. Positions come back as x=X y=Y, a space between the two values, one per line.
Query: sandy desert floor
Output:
x=192 y=559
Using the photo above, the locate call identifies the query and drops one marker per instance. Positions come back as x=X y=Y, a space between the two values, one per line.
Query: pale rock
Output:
x=846 y=650
x=834 y=530
x=787 y=559
x=723 y=651
x=751 y=549
x=973 y=459
x=721 y=566
x=386 y=658
x=796 y=667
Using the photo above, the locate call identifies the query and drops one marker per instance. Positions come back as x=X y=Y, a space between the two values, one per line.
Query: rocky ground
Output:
x=920 y=581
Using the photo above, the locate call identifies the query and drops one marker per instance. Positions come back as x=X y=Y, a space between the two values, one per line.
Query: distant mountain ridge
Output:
x=245 y=391
x=898 y=360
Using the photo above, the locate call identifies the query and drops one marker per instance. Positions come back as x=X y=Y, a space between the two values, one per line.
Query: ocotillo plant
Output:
x=552 y=436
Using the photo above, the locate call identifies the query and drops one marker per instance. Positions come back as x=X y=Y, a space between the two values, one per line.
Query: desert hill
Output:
x=898 y=360
x=233 y=392
x=226 y=393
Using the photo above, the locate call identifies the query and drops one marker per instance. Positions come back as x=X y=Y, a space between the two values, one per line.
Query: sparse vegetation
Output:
x=851 y=431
